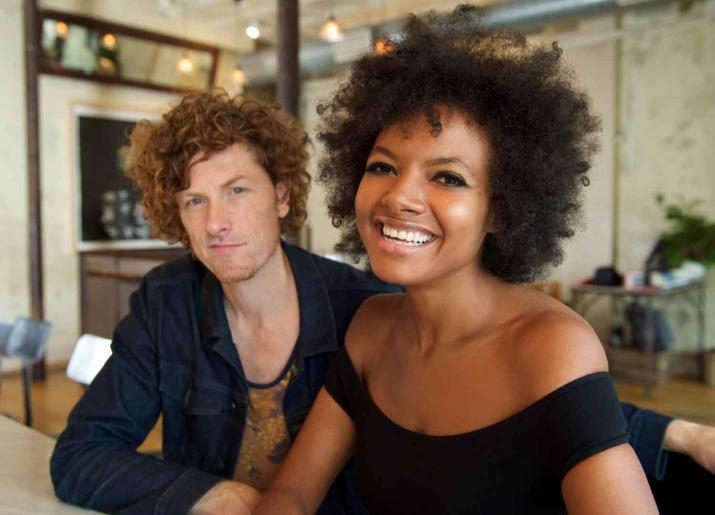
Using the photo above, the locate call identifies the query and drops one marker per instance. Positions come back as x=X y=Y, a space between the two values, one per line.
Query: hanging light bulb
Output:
x=238 y=75
x=252 y=31
x=62 y=29
x=109 y=41
x=185 y=64
x=330 y=31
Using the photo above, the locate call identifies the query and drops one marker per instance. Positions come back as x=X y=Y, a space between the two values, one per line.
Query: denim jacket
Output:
x=173 y=355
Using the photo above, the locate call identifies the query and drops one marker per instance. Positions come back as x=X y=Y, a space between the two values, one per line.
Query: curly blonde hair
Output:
x=161 y=151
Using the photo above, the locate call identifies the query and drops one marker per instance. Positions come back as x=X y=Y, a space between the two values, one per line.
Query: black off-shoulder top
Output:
x=514 y=466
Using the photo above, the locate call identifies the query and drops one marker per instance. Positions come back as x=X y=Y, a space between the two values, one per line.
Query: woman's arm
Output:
x=611 y=482
x=555 y=350
x=323 y=446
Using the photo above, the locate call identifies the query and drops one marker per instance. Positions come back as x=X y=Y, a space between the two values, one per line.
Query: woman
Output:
x=459 y=156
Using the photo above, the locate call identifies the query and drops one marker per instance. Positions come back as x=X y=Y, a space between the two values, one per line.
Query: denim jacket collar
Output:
x=317 y=327
x=214 y=324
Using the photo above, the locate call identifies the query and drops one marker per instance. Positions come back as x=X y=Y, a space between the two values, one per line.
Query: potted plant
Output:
x=690 y=237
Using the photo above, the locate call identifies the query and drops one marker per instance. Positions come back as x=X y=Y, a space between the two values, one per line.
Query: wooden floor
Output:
x=54 y=398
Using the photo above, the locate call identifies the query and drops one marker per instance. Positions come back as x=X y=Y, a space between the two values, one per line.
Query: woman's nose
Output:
x=405 y=195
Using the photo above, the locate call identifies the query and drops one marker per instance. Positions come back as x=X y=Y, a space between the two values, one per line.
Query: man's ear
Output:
x=282 y=199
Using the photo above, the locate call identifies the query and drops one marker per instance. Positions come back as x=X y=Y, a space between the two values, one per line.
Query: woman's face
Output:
x=422 y=207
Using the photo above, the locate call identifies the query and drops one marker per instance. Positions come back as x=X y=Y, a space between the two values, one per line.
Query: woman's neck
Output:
x=451 y=310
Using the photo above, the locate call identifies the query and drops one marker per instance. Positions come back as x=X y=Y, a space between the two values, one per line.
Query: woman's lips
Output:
x=409 y=236
x=401 y=239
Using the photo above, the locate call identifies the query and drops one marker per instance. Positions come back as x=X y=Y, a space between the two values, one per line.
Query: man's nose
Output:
x=405 y=195
x=218 y=221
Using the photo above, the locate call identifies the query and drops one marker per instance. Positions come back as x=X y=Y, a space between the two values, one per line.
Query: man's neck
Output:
x=259 y=297
x=264 y=317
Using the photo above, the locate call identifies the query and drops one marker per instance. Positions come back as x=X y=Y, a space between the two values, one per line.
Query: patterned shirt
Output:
x=265 y=437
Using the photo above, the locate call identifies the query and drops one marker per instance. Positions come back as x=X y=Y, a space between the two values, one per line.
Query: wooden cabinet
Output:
x=108 y=279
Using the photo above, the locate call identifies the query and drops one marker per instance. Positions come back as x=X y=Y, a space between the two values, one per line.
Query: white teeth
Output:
x=412 y=237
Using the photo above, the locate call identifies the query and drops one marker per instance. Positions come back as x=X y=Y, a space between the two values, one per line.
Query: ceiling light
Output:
x=252 y=31
x=330 y=31
x=238 y=75
x=109 y=41
x=383 y=46
x=62 y=29
x=185 y=64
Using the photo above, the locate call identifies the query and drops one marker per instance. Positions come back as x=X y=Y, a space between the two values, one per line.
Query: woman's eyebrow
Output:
x=382 y=150
x=448 y=161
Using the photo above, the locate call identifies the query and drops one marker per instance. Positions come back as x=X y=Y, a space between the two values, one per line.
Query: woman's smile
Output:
x=400 y=238
x=406 y=236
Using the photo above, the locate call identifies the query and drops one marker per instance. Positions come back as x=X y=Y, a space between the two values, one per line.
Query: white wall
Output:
x=667 y=122
x=323 y=236
x=14 y=270
x=14 y=278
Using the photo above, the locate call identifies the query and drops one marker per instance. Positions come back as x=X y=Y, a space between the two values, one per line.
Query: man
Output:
x=230 y=344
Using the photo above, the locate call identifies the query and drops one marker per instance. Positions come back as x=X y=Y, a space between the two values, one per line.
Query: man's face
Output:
x=231 y=212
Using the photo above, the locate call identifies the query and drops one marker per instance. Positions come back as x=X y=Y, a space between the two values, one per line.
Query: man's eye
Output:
x=380 y=168
x=449 y=179
x=237 y=189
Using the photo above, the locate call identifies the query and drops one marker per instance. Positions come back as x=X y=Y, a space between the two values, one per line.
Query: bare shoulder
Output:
x=554 y=346
x=370 y=326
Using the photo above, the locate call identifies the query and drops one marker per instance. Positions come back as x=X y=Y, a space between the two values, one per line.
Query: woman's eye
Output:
x=450 y=179
x=193 y=202
x=380 y=168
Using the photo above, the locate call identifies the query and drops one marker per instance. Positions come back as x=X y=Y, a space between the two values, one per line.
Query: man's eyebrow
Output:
x=382 y=150
x=225 y=184
x=232 y=179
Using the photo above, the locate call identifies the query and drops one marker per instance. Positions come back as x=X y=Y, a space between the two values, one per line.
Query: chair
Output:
x=88 y=358
x=25 y=340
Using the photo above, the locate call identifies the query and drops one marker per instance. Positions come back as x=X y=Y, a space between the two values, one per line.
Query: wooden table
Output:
x=584 y=296
x=25 y=485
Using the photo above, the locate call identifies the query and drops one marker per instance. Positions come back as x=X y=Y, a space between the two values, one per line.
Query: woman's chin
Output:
x=394 y=273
